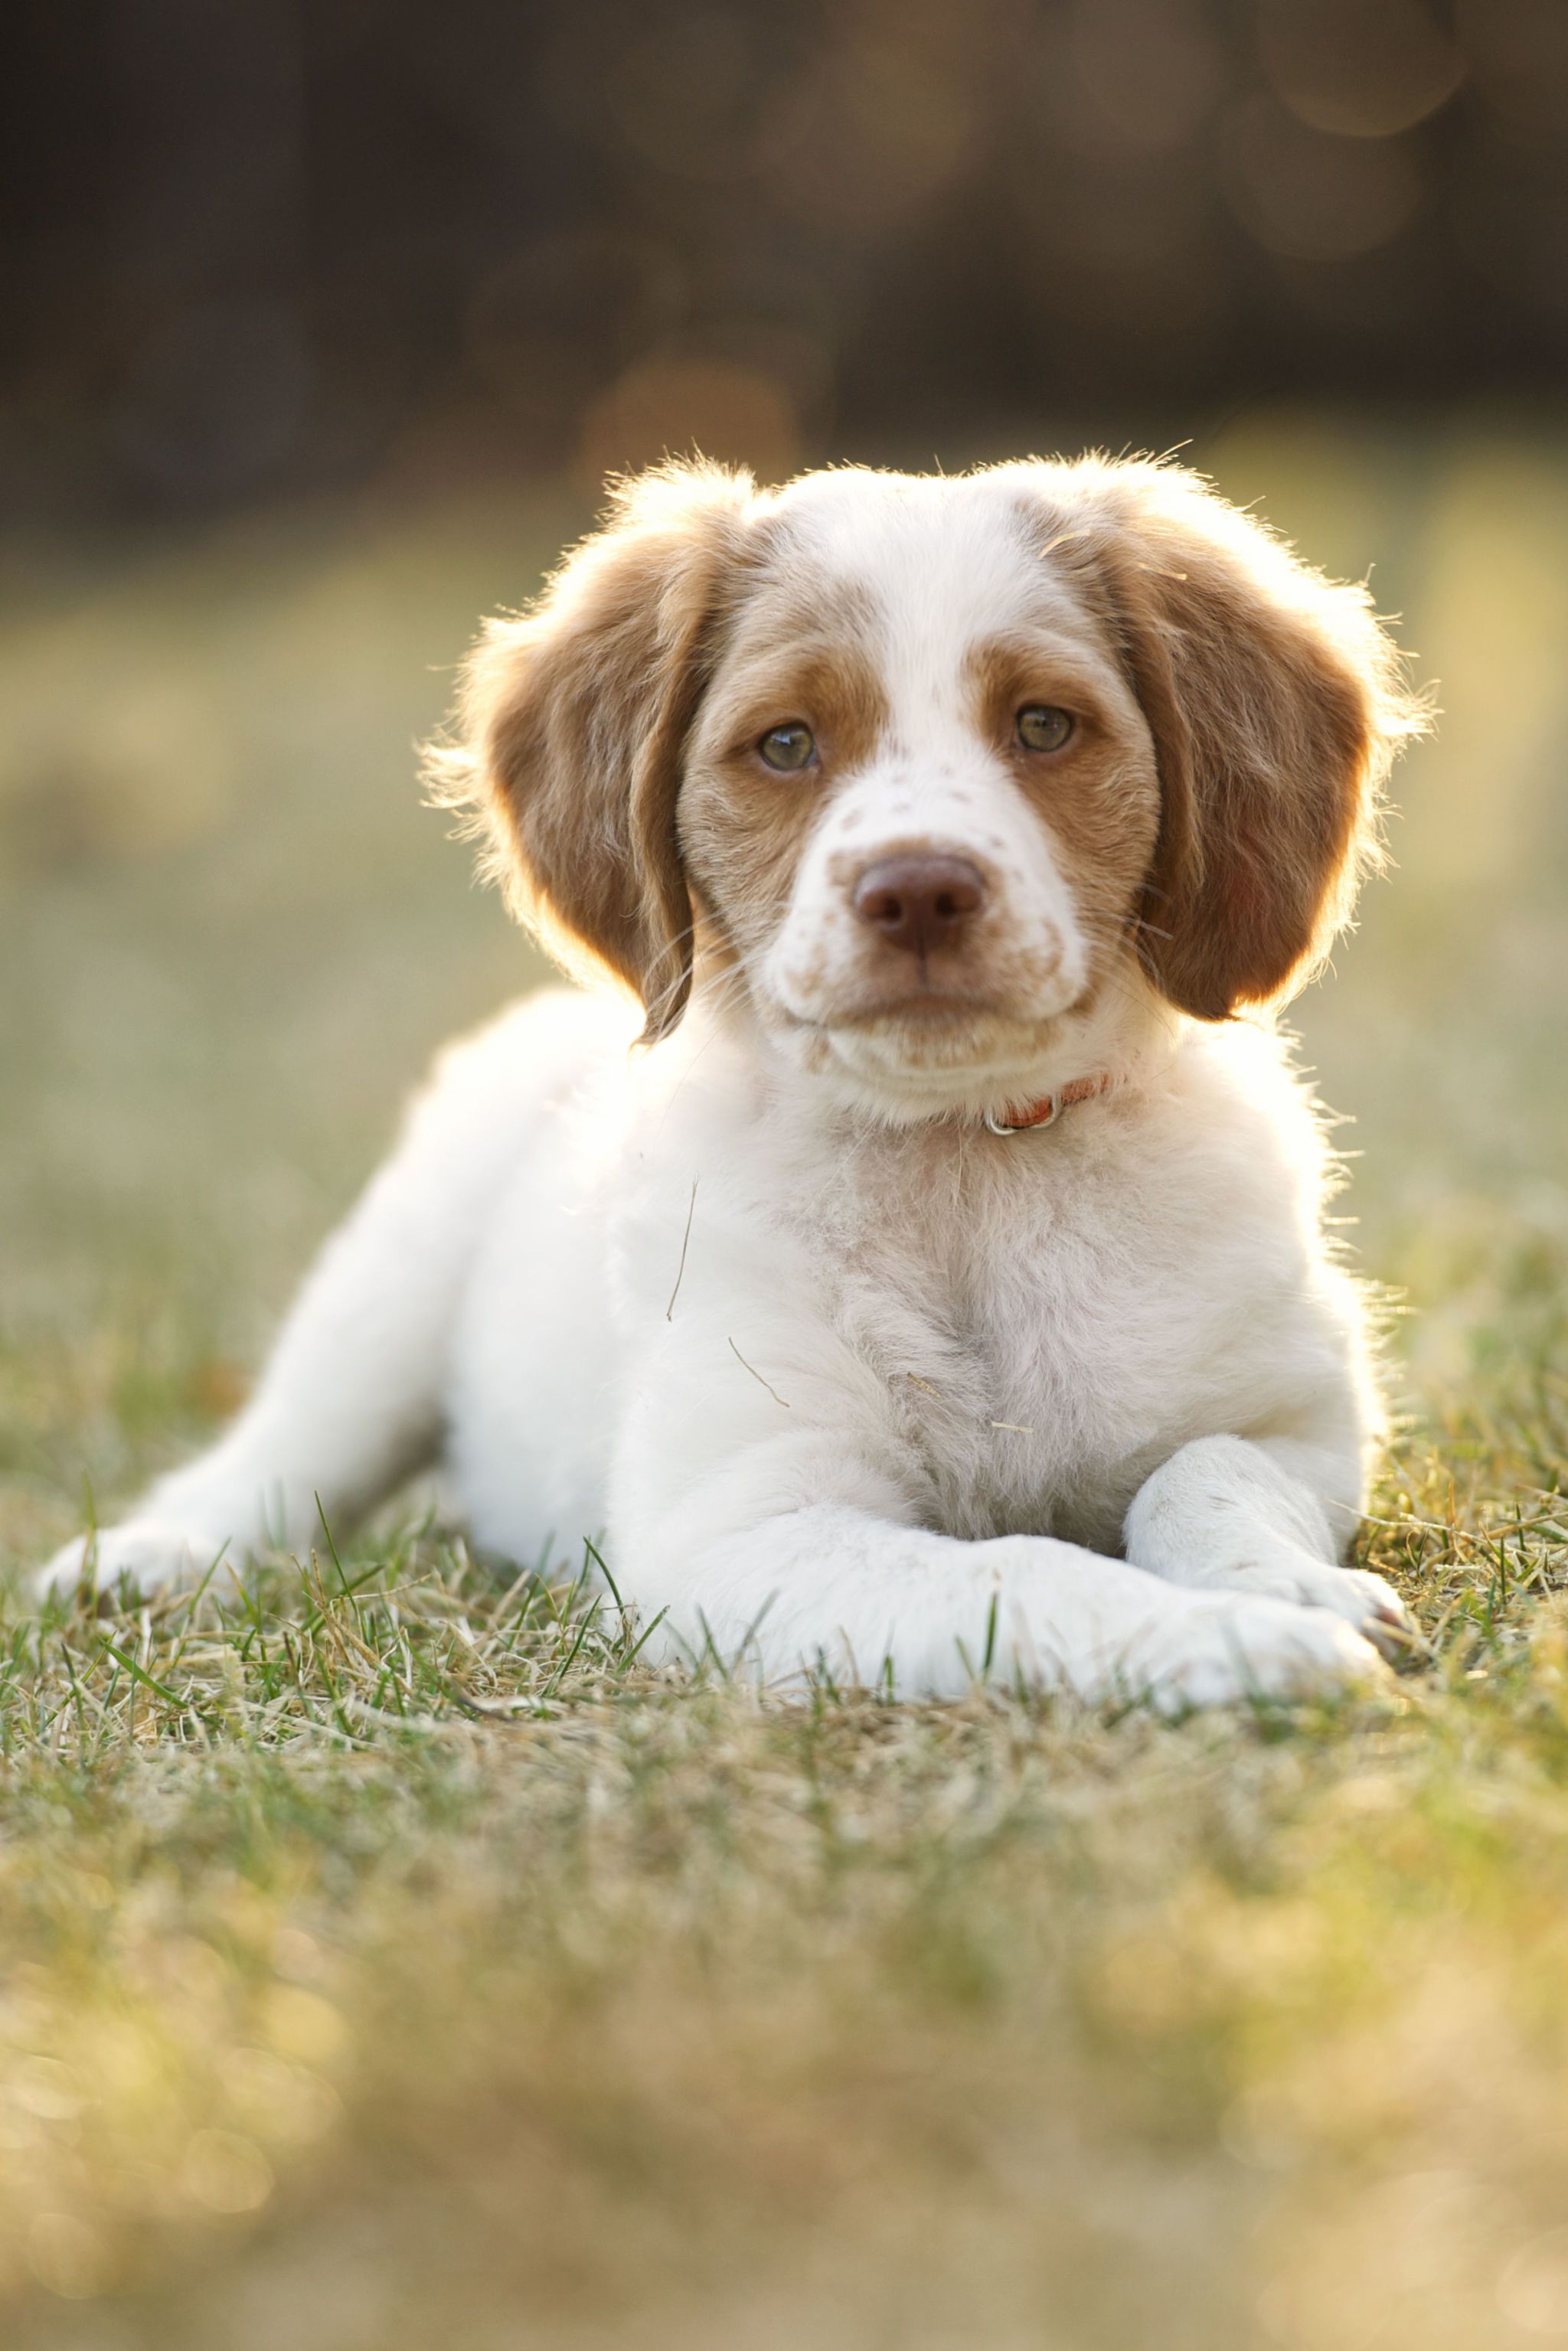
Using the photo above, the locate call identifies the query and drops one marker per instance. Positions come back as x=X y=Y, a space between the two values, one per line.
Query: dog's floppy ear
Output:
x=1275 y=702
x=572 y=722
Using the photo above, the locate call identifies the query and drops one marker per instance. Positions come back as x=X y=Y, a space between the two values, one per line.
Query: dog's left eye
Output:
x=1043 y=727
x=788 y=748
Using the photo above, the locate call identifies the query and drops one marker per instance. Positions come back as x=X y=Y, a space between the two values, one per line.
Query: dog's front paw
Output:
x=1367 y=1602
x=1363 y=1600
x=1231 y=1648
x=144 y=1555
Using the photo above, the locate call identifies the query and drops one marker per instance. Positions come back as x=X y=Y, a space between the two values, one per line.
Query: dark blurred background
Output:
x=259 y=247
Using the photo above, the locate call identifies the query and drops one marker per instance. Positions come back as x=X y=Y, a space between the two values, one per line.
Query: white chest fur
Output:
x=1046 y=1315
x=1024 y=1326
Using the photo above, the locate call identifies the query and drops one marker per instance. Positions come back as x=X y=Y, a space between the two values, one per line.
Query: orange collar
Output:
x=1016 y=1116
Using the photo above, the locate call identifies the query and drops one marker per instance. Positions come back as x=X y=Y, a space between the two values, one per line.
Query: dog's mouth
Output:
x=932 y=1051
x=936 y=1016
x=922 y=1010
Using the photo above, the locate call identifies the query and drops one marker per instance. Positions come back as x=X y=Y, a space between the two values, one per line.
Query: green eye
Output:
x=1042 y=728
x=788 y=749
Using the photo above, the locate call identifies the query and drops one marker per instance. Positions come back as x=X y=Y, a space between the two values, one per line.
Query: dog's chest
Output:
x=1040 y=1343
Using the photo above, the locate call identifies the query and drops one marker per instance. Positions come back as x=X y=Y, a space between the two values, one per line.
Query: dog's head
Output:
x=935 y=773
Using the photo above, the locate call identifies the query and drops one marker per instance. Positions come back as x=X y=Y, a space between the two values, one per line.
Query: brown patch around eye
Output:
x=1098 y=796
x=1005 y=675
x=795 y=656
x=837 y=696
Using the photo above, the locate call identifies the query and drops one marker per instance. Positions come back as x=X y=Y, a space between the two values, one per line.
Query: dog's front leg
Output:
x=866 y=1601
x=346 y=1407
x=1269 y=1516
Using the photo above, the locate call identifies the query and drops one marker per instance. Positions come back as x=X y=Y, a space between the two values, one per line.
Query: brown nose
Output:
x=919 y=903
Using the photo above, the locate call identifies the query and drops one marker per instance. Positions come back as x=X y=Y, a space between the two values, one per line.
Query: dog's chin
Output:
x=922 y=1056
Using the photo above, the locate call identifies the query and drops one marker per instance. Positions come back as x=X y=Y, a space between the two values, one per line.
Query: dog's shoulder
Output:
x=1239 y=1115
x=533 y=1043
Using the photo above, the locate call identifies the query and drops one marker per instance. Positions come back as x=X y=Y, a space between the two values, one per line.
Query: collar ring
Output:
x=996 y=1125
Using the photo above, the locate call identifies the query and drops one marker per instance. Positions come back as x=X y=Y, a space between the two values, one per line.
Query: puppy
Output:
x=927 y=1281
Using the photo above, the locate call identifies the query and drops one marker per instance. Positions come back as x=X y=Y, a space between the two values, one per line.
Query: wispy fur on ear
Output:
x=571 y=722
x=1277 y=704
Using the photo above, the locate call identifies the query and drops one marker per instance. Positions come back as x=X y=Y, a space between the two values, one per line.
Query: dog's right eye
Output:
x=788 y=749
x=1043 y=727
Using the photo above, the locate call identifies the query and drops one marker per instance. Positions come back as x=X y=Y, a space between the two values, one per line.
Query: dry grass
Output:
x=399 y=1961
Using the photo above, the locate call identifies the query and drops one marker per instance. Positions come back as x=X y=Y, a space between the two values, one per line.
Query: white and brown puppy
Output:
x=939 y=1288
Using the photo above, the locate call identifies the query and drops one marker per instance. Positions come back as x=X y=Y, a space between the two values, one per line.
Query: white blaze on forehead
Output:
x=942 y=565
x=935 y=570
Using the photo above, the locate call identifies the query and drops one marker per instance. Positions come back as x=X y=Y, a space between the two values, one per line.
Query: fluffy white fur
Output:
x=844 y=1377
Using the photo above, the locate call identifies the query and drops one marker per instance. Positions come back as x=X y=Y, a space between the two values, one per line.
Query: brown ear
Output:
x=573 y=723
x=1276 y=706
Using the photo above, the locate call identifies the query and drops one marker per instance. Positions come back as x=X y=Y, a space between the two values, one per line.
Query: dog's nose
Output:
x=919 y=903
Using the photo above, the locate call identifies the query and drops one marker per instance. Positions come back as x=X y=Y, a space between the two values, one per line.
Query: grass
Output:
x=401 y=1959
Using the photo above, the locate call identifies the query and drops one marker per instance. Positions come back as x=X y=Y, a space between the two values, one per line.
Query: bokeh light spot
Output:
x=1532 y=2291
x=1364 y=68
x=1311 y=197
x=664 y=406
